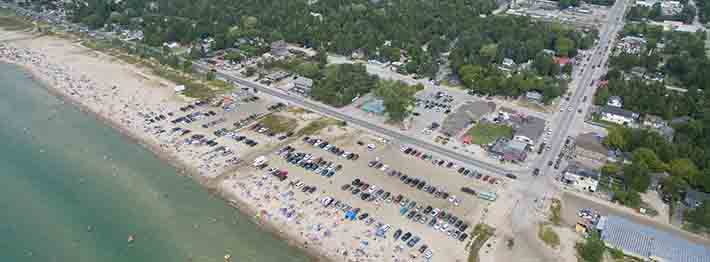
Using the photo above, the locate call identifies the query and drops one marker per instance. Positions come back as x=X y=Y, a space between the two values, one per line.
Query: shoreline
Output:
x=182 y=167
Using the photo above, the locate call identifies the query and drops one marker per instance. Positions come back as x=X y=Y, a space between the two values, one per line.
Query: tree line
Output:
x=422 y=29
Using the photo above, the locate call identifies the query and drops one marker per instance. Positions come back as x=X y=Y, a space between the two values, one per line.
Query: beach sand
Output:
x=121 y=95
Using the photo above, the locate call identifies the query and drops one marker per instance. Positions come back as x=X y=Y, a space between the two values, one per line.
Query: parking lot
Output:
x=212 y=133
x=418 y=195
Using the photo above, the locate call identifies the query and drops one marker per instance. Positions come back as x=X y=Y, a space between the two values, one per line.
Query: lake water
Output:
x=73 y=189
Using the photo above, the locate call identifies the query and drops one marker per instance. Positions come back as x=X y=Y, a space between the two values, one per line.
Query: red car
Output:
x=485 y=178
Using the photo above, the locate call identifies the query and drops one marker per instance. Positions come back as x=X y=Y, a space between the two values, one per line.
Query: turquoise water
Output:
x=73 y=189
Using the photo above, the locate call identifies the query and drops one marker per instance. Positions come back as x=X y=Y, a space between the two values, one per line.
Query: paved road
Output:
x=530 y=189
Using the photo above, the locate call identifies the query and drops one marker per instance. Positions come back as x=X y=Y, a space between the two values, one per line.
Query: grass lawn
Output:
x=484 y=133
x=317 y=125
x=555 y=210
x=279 y=124
x=548 y=236
x=481 y=233
x=9 y=21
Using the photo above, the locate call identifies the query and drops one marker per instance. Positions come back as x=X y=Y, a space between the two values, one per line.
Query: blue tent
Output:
x=350 y=215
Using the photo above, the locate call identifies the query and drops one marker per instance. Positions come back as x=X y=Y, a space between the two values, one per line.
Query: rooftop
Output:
x=583 y=171
x=303 y=82
x=647 y=242
x=591 y=142
x=529 y=126
x=619 y=112
x=464 y=115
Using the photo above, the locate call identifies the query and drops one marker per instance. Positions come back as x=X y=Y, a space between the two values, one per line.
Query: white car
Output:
x=452 y=199
x=384 y=168
x=428 y=254
x=435 y=212
x=372 y=189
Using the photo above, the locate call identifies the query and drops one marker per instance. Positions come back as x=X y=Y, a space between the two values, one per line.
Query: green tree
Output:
x=343 y=82
x=249 y=71
x=489 y=52
x=391 y=54
x=610 y=170
x=397 y=97
x=636 y=176
x=684 y=168
x=700 y=216
x=592 y=250
x=308 y=69
x=616 y=138
x=209 y=76
x=322 y=58
x=564 y=46
x=674 y=186
x=649 y=158
x=187 y=66
x=471 y=75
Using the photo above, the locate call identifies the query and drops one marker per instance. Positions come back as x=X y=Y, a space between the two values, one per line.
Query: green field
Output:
x=9 y=21
x=485 y=133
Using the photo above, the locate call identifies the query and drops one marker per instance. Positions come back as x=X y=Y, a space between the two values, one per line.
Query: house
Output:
x=528 y=129
x=680 y=120
x=670 y=8
x=358 y=54
x=590 y=150
x=647 y=4
x=507 y=65
x=277 y=76
x=534 y=96
x=695 y=198
x=509 y=150
x=302 y=85
x=653 y=121
x=581 y=178
x=614 y=101
x=279 y=48
x=562 y=61
x=666 y=132
x=549 y=52
x=638 y=71
x=618 y=115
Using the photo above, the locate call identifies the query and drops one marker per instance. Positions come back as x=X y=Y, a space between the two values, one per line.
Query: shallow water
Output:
x=73 y=189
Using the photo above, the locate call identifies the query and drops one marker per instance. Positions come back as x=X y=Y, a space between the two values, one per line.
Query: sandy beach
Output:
x=123 y=96
x=142 y=106
x=128 y=97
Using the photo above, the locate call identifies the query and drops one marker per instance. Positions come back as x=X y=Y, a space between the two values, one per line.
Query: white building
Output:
x=581 y=178
x=618 y=115
x=615 y=101
x=302 y=85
